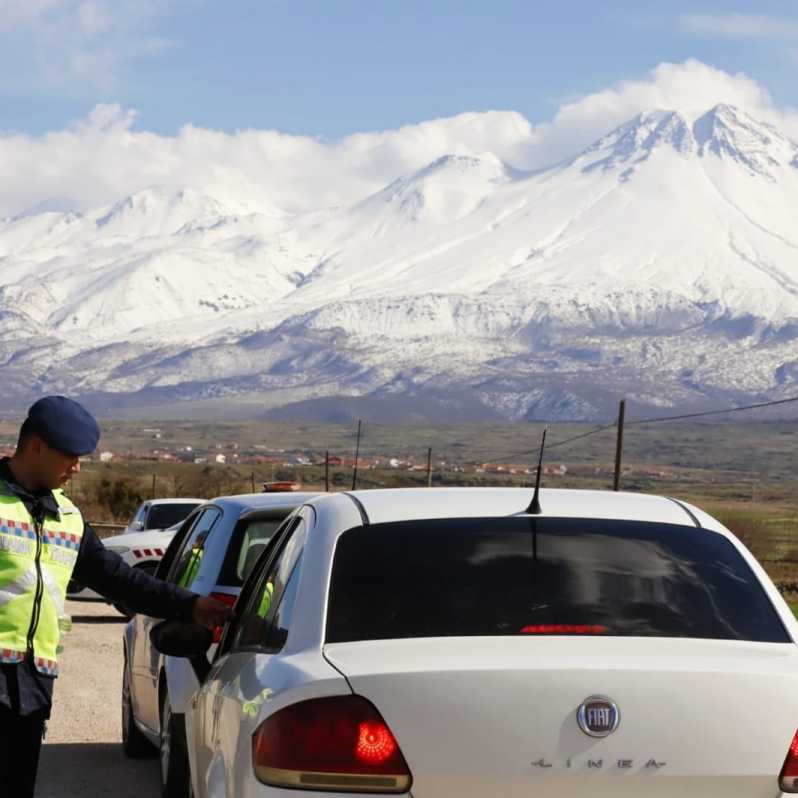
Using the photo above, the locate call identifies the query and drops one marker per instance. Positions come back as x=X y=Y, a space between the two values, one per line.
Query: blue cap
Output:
x=65 y=425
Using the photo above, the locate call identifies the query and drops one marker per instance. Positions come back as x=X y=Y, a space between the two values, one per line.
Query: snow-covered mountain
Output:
x=660 y=263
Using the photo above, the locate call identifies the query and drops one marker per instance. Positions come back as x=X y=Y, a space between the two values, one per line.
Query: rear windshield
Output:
x=249 y=540
x=165 y=515
x=525 y=576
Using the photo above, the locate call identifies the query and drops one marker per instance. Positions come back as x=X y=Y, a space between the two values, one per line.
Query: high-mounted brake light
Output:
x=225 y=598
x=788 y=778
x=564 y=629
x=341 y=743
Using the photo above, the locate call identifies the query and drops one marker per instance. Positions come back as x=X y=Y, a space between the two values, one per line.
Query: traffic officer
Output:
x=44 y=542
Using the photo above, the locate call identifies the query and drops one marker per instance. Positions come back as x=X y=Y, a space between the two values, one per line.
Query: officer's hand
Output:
x=210 y=612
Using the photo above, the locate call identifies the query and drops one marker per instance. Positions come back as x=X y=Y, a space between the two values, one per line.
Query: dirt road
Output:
x=82 y=753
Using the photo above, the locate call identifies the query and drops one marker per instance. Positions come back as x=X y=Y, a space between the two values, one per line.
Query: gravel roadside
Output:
x=82 y=753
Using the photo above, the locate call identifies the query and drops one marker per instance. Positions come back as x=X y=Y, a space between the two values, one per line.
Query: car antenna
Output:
x=534 y=506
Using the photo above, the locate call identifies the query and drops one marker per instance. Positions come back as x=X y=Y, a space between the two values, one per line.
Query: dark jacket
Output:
x=24 y=689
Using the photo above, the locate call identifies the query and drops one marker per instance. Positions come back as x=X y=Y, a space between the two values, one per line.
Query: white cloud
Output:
x=740 y=26
x=84 y=41
x=102 y=158
x=106 y=156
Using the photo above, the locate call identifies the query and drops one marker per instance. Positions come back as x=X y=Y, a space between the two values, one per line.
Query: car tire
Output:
x=175 y=779
x=134 y=744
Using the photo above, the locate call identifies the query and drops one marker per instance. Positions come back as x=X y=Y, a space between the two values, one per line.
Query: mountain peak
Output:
x=724 y=132
x=732 y=134
x=637 y=140
x=447 y=189
x=157 y=211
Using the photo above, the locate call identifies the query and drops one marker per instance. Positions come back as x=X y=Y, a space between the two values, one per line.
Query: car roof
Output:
x=262 y=501
x=408 y=504
x=152 y=502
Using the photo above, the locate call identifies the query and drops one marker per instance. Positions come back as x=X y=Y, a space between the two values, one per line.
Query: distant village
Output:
x=222 y=454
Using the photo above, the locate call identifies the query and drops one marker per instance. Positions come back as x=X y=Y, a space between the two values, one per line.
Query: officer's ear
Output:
x=35 y=446
x=26 y=436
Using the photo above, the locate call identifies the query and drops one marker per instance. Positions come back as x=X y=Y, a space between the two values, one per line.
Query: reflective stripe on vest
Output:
x=36 y=563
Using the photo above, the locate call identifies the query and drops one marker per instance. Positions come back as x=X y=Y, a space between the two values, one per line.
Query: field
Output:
x=745 y=473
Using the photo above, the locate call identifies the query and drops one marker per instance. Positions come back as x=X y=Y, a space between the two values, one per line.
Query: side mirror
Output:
x=137 y=525
x=182 y=639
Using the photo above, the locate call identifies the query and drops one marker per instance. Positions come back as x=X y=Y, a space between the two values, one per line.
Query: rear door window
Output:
x=173 y=547
x=188 y=562
x=527 y=576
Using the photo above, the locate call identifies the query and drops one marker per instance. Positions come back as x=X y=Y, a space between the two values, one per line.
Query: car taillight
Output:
x=339 y=743
x=788 y=778
x=225 y=598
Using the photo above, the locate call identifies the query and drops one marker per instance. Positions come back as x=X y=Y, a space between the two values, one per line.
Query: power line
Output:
x=603 y=428
x=679 y=417
x=583 y=435
x=713 y=412
x=553 y=445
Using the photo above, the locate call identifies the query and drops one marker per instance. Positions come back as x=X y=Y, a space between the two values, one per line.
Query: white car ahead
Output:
x=161 y=513
x=211 y=554
x=450 y=644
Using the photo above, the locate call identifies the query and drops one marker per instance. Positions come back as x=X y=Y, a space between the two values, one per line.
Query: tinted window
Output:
x=188 y=562
x=248 y=542
x=512 y=576
x=165 y=515
x=284 y=611
x=263 y=603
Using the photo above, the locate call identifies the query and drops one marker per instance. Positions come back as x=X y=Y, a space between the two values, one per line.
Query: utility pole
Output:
x=357 y=454
x=327 y=471
x=153 y=486
x=252 y=479
x=619 y=445
x=429 y=467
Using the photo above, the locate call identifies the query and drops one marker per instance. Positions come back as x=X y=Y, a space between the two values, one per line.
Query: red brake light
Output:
x=225 y=598
x=339 y=743
x=375 y=743
x=564 y=629
x=788 y=778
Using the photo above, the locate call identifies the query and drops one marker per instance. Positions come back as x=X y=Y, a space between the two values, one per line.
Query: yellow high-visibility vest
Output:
x=36 y=562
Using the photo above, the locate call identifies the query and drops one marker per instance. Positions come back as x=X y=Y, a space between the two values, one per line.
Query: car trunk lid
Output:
x=498 y=715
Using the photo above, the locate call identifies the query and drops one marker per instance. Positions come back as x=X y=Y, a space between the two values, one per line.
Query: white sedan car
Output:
x=211 y=554
x=451 y=644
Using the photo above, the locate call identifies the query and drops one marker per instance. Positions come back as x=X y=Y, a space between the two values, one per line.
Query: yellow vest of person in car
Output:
x=36 y=562
x=192 y=567
x=265 y=601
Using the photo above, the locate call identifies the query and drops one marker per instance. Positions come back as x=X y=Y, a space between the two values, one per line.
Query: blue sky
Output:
x=333 y=68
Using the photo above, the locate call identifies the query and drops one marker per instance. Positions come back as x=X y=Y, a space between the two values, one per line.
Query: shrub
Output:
x=118 y=498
